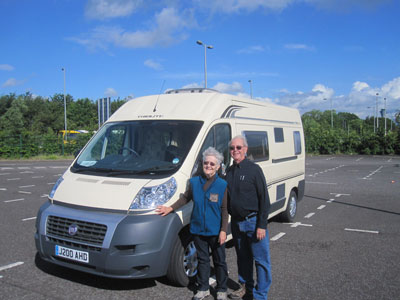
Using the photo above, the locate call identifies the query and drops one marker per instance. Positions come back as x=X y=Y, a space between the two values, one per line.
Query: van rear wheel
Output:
x=289 y=214
x=183 y=264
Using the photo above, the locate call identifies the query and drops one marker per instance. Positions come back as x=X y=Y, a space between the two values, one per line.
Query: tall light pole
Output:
x=376 y=111
x=331 y=112
x=251 y=89
x=205 y=60
x=65 y=108
x=385 y=114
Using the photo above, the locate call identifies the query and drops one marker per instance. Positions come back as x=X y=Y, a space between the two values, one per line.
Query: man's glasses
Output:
x=206 y=163
x=237 y=148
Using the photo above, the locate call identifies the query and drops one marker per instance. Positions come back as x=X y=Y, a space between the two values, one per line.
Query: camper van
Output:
x=100 y=215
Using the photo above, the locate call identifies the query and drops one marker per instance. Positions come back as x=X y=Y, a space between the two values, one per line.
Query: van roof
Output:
x=207 y=105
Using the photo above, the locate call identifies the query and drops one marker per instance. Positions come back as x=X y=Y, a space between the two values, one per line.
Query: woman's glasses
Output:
x=237 y=148
x=206 y=163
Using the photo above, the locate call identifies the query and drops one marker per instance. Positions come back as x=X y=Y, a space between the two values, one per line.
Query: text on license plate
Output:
x=73 y=254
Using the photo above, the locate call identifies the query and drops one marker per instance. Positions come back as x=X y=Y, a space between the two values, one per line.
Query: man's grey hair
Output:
x=210 y=151
x=242 y=137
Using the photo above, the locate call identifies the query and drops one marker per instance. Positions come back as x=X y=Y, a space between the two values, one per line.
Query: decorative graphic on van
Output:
x=230 y=111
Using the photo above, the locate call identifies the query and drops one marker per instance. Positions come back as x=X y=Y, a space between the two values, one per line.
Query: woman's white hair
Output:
x=210 y=151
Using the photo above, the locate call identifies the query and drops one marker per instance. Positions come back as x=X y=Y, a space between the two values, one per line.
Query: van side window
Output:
x=297 y=142
x=218 y=137
x=257 y=141
x=278 y=133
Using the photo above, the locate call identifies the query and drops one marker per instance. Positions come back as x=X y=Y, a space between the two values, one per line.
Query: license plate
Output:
x=72 y=254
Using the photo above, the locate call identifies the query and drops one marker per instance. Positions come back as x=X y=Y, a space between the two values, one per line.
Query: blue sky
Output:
x=295 y=52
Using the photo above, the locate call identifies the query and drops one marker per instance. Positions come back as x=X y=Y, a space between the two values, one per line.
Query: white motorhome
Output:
x=100 y=217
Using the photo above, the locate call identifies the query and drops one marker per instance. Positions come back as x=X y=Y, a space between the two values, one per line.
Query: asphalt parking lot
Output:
x=344 y=243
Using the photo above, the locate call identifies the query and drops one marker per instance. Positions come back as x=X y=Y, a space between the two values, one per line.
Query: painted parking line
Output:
x=296 y=224
x=11 y=179
x=5 y=173
x=14 y=200
x=330 y=200
x=37 y=176
x=44 y=196
x=309 y=215
x=372 y=173
x=11 y=265
x=24 y=192
x=361 y=230
x=3 y=189
x=26 y=186
x=28 y=219
x=278 y=236
x=321 y=207
x=26 y=172
x=316 y=182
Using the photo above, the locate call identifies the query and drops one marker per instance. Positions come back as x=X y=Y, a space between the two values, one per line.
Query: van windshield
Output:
x=123 y=149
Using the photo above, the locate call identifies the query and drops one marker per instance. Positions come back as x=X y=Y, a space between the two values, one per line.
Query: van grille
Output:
x=88 y=232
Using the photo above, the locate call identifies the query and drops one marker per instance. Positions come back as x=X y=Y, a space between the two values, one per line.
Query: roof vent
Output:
x=191 y=90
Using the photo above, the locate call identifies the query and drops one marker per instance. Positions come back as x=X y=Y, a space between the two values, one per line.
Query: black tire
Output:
x=291 y=209
x=182 y=267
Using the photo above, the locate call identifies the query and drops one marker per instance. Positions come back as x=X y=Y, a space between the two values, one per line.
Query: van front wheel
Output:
x=291 y=208
x=183 y=264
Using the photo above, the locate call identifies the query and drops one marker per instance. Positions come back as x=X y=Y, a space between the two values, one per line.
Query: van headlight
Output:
x=150 y=197
x=56 y=185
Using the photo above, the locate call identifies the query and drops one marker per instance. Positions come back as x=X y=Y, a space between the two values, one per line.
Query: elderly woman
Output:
x=208 y=223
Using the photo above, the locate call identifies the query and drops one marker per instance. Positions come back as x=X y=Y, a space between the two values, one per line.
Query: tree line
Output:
x=30 y=126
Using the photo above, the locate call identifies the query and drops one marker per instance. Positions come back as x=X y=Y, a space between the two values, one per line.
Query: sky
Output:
x=307 y=54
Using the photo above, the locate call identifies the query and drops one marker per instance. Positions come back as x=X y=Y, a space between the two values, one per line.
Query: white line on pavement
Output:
x=24 y=192
x=11 y=266
x=278 y=236
x=37 y=176
x=321 y=207
x=5 y=173
x=44 y=195
x=316 y=182
x=9 y=179
x=309 y=215
x=14 y=200
x=26 y=186
x=28 y=219
x=3 y=189
x=330 y=200
x=361 y=230
x=298 y=224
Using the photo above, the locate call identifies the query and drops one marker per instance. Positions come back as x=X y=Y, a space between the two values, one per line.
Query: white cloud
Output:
x=299 y=47
x=192 y=85
x=169 y=27
x=110 y=92
x=391 y=90
x=233 y=88
x=6 y=67
x=359 y=86
x=251 y=50
x=153 y=64
x=236 y=6
x=12 y=82
x=107 y=9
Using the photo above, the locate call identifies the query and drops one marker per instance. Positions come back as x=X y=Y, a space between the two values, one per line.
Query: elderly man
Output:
x=248 y=205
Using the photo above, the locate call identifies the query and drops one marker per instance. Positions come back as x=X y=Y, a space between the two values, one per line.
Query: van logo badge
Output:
x=72 y=229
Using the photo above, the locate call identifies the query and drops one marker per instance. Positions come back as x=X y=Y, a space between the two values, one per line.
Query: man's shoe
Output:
x=239 y=293
x=201 y=295
x=221 y=295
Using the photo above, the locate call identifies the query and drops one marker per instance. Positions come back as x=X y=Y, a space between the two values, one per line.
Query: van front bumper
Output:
x=131 y=246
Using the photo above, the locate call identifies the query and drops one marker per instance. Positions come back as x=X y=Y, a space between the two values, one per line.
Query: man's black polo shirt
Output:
x=247 y=192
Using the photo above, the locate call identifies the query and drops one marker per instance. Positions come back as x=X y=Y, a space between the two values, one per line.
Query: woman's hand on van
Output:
x=163 y=210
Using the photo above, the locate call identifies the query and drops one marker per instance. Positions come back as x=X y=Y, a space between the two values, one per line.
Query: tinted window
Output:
x=278 y=133
x=218 y=137
x=297 y=142
x=257 y=145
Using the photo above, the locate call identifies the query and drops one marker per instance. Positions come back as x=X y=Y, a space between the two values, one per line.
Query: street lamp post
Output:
x=385 y=114
x=376 y=111
x=331 y=112
x=65 y=108
x=205 y=60
x=251 y=89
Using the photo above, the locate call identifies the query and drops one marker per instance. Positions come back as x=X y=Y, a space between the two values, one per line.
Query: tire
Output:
x=182 y=267
x=291 y=209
